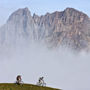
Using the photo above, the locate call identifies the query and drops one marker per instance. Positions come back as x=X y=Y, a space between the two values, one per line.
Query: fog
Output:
x=60 y=67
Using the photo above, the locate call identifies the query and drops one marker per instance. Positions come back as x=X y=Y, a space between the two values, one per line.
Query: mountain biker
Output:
x=18 y=79
x=41 y=82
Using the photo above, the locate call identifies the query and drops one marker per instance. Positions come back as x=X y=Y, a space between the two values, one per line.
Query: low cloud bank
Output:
x=61 y=68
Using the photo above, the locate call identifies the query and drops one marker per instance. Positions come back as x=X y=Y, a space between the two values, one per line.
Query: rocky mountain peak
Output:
x=20 y=13
x=69 y=27
x=75 y=14
x=70 y=9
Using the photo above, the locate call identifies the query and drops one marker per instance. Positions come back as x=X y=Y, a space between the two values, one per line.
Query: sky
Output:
x=41 y=7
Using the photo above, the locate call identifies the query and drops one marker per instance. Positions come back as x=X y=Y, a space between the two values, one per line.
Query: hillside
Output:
x=23 y=87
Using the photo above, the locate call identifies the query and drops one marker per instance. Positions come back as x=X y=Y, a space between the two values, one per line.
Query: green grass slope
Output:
x=6 y=86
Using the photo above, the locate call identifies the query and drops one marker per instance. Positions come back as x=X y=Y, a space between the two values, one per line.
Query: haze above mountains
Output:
x=69 y=28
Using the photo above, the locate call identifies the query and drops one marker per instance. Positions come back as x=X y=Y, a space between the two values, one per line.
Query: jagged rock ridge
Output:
x=69 y=28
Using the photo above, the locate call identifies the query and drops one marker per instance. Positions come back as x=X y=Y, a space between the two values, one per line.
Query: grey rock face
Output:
x=69 y=28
